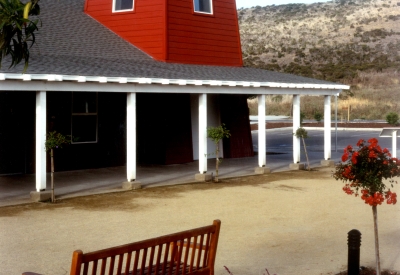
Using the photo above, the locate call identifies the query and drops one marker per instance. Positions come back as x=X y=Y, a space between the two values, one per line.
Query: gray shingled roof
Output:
x=72 y=43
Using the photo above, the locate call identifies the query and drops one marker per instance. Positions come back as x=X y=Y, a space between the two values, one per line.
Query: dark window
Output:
x=203 y=6
x=121 y=5
x=84 y=117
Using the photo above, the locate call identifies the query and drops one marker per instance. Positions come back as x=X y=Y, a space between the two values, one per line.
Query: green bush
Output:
x=318 y=116
x=392 y=118
x=302 y=117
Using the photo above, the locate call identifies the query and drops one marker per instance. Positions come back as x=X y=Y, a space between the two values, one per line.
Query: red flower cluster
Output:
x=365 y=168
x=373 y=200
x=391 y=198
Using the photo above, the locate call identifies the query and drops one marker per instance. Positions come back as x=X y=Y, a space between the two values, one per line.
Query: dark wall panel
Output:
x=235 y=115
x=164 y=129
x=17 y=132
x=110 y=149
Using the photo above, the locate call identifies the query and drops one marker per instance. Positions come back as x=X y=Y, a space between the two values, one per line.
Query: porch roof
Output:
x=71 y=46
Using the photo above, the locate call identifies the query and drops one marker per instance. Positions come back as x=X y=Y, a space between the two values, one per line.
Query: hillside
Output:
x=353 y=42
x=323 y=40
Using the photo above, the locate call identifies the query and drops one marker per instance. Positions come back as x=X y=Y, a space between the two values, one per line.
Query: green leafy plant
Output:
x=17 y=32
x=302 y=133
x=392 y=118
x=54 y=141
x=363 y=170
x=216 y=134
x=302 y=117
x=318 y=116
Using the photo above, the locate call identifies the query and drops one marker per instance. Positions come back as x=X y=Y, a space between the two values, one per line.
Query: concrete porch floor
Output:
x=16 y=189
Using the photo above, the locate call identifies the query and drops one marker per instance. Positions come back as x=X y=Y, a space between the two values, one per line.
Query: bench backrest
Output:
x=187 y=252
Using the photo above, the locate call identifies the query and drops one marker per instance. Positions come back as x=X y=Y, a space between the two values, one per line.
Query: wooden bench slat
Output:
x=186 y=257
x=120 y=262
x=136 y=262
x=206 y=250
x=128 y=263
x=159 y=252
x=199 y=252
x=193 y=254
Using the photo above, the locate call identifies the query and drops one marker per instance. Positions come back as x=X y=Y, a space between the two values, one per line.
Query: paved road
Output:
x=281 y=140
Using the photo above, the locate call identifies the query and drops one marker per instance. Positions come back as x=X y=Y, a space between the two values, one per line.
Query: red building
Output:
x=137 y=81
x=194 y=32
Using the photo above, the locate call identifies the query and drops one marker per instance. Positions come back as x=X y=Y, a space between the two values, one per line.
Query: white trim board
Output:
x=71 y=86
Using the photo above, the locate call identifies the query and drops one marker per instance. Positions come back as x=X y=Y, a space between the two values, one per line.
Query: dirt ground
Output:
x=293 y=222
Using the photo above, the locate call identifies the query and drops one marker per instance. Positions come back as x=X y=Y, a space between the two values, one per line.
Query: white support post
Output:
x=327 y=127
x=40 y=140
x=131 y=137
x=261 y=132
x=296 y=125
x=394 y=149
x=203 y=133
x=131 y=182
x=262 y=150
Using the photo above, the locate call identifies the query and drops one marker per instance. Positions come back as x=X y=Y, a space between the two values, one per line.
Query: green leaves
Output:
x=392 y=118
x=17 y=34
x=218 y=133
x=56 y=140
x=301 y=133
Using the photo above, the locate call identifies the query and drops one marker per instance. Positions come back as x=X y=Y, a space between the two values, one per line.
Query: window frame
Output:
x=125 y=10
x=204 y=12
x=85 y=114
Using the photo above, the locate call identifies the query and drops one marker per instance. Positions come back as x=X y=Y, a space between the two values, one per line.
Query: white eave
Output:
x=53 y=82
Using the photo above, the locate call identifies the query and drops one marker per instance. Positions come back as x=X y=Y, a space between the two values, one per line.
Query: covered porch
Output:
x=15 y=189
x=200 y=92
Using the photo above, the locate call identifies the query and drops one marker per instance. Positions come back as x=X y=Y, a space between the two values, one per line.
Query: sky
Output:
x=262 y=3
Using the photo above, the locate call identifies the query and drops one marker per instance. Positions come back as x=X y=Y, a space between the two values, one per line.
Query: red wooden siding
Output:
x=171 y=31
x=203 y=39
x=143 y=27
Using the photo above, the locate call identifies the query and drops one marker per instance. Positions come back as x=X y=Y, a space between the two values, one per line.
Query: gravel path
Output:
x=289 y=222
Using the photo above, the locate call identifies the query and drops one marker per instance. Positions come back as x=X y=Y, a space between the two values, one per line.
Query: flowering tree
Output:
x=363 y=170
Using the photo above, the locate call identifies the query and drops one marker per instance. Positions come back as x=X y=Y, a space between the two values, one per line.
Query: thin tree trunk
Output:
x=305 y=150
x=377 y=258
x=216 y=162
x=53 y=199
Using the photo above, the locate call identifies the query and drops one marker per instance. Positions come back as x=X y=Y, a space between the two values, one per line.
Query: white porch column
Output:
x=296 y=125
x=40 y=140
x=261 y=132
x=262 y=150
x=203 y=133
x=394 y=149
x=131 y=137
x=131 y=182
x=327 y=127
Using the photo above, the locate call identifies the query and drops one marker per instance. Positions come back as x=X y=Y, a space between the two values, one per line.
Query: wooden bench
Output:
x=190 y=252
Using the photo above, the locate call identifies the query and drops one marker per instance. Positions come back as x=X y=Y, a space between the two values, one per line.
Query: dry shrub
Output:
x=375 y=95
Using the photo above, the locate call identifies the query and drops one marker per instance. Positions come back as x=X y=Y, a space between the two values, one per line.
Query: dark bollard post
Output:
x=354 y=243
